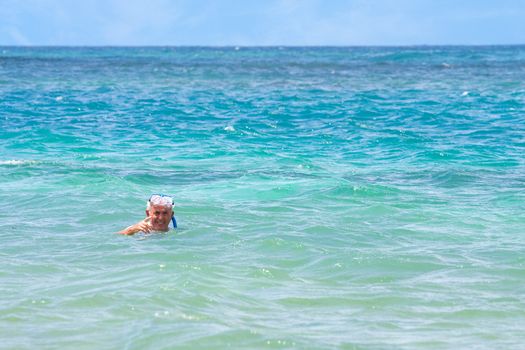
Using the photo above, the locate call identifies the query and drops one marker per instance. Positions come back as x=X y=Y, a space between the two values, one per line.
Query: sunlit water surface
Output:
x=354 y=198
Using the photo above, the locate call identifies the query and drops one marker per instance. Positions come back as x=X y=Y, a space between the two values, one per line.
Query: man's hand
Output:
x=143 y=226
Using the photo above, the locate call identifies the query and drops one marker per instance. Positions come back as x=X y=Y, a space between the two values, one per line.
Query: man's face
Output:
x=160 y=217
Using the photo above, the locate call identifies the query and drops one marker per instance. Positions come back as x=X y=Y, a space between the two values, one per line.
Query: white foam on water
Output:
x=229 y=128
x=17 y=162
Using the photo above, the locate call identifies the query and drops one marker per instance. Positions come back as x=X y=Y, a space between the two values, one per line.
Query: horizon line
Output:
x=251 y=46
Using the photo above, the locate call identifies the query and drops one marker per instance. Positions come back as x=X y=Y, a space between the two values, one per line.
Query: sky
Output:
x=261 y=22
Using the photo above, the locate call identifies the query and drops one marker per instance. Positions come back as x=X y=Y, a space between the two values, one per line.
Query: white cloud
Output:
x=17 y=37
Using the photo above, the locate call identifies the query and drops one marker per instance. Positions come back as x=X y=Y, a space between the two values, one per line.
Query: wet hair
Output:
x=157 y=200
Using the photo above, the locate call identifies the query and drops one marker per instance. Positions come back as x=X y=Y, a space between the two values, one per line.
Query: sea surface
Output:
x=327 y=198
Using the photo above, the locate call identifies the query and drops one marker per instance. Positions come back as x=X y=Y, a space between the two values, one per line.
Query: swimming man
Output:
x=159 y=213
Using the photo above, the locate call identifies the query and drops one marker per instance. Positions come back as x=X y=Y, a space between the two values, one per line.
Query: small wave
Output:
x=453 y=178
x=18 y=162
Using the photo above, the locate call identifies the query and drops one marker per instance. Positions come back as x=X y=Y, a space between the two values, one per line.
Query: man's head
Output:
x=160 y=211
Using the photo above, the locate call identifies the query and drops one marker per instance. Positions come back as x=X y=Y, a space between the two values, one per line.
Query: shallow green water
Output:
x=355 y=198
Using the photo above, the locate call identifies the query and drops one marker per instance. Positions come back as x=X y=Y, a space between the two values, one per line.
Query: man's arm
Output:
x=143 y=226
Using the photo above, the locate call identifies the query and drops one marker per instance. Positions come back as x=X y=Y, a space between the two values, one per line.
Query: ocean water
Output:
x=327 y=198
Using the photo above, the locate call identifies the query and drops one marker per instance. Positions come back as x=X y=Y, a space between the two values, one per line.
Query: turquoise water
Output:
x=352 y=198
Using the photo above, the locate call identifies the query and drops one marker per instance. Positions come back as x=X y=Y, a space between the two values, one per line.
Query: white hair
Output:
x=157 y=200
